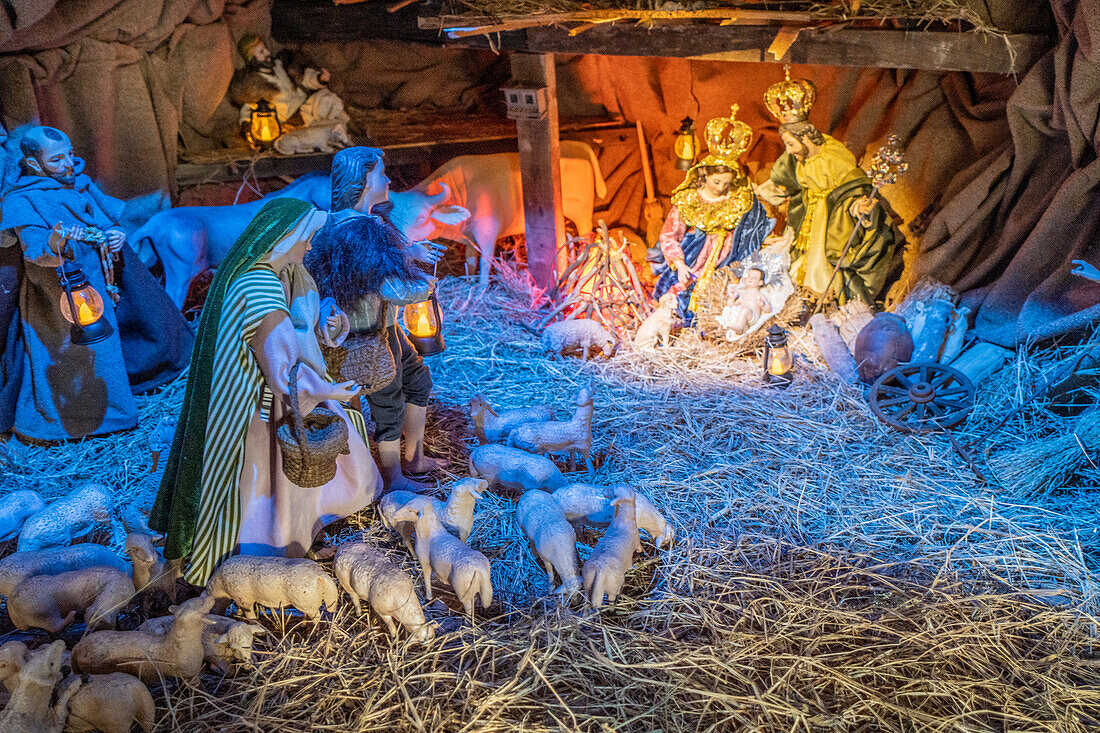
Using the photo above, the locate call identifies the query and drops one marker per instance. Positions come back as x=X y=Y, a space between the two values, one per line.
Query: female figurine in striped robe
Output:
x=224 y=491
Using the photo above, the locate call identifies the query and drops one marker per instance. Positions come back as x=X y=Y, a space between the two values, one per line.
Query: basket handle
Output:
x=295 y=406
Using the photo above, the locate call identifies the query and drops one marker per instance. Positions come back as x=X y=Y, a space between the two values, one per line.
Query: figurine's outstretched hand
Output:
x=427 y=252
x=344 y=391
x=1085 y=270
x=115 y=239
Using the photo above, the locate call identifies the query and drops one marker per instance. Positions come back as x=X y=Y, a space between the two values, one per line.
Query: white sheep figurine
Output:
x=514 y=468
x=658 y=324
x=366 y=573
x=457 y=513
x=179 y=653
x=51 y=602
x=273 y=582
x=593 y=504
x=19 y=566
x=581 y=335
x=29 y=709
x=606 y=568
x=570 y=437
x=552 y=537
x=15 y=509
x=110 y=703
x=491 y=426
x=151 y=572
x=225 y=641
x=466 y=570
x=65 y=519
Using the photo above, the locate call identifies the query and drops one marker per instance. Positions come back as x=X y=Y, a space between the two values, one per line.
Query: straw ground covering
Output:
x=829 y=573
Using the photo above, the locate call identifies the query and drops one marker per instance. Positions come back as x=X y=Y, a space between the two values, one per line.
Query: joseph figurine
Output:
x=70 y=390
x=827 y=193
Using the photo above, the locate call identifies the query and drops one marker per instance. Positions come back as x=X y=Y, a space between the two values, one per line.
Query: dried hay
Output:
x=830 y=573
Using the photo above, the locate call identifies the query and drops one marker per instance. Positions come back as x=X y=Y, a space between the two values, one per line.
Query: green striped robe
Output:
x=234 y=397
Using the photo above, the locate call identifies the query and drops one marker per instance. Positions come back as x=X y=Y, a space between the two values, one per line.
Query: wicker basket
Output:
x=310 y=444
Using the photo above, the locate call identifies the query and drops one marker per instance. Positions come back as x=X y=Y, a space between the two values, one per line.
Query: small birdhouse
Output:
x=526 y=103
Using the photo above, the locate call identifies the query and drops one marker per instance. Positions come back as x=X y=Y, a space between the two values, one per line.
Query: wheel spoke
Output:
x=903 y=380
x=922 y=411
x=943 y=379
x=923 y=374
x=936 y=409
x=893 y=390
x=953 y=392
x=893 y=401
x=905 y=410
x=952 y=404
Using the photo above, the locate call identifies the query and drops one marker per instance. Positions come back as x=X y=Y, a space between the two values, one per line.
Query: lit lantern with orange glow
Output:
x=684 y=146
x=424 y=323
x=778 y=360
x=81 y=306
x=264 y=125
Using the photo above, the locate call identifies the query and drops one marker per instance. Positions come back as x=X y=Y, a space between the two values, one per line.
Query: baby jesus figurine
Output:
x=746 y=302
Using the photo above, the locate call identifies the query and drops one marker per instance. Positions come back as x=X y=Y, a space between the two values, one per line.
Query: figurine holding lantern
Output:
x=96 y=326
x=829 y=198
x=715 y=218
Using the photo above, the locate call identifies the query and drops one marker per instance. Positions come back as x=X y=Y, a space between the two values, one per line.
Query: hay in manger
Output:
x=829 y=574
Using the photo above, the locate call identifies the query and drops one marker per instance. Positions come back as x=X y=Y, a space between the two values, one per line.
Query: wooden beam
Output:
x=540 y=170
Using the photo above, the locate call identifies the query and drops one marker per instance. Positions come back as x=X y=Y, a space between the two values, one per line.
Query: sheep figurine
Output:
x=658 y=324
x=65 y=519
x=570 y=437
x=365 y=573
x=552 y=537
x=178 y=653
x=15 y=508
x=51 y=602
x=464 y=569
x=593 y=504
x=110 y=703
x=19 y=566
x=272 y=582
x=457 y=513
x=578 y=335
x=606 y=567
x=151 y=572
x=491 y=426
x=29 y=709
x=514 y=468
x=225 y=641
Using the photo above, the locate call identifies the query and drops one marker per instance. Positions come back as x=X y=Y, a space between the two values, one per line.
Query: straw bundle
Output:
x=1042 y=465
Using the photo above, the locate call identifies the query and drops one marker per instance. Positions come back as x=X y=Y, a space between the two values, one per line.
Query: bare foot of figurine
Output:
x=424 y=464
x=401 y=482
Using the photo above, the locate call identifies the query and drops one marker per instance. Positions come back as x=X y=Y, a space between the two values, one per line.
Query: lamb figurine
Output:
x=179 y=653
x=15 y=508
x=19 y=566
x=65 y=519
x=51 y=602
x=111 y=703
x=457 y=513
x=570 y=437
x=225 y=641
x=29 y=709
x=365 y=573
x=552 y=537
x=606 y=567
x=491 y=426
x=464 y=569
x=593 y=504
x=151 y=572
x=273 y=582
x=514 y=468
x=578 y=335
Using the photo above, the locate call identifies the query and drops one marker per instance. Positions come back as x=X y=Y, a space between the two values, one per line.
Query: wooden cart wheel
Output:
x=922 y=397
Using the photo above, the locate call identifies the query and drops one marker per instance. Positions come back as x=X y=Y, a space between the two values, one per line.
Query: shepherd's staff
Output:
x=886 y=166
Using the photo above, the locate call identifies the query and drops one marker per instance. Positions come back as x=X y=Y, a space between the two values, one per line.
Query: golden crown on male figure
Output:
x=790 y=101
x=727 y=138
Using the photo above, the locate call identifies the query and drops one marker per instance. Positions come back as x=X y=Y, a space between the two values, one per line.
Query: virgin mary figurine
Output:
x=224 y=491
x=715 y=218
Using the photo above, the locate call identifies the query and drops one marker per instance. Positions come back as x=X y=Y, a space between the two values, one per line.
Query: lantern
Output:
x=684 y=147
x=424 y=323
x=778 y=360
x=81 y=306
x=263 y=125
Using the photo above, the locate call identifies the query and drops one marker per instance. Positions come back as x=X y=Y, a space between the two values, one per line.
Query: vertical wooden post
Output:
x=540 y=170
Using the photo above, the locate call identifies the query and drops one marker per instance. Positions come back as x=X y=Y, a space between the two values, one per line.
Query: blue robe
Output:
x=67 y=390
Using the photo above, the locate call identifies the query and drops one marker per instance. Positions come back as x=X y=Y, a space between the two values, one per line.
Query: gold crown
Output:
x=727 y=137
x=790 y=101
